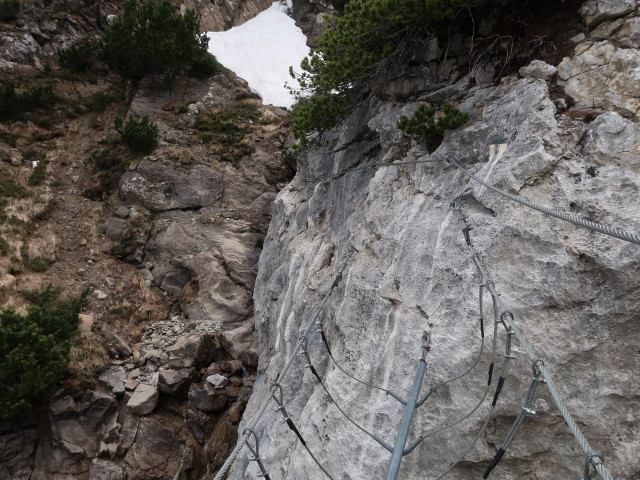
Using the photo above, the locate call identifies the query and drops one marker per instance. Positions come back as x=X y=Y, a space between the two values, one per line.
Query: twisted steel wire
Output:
x=267 y=401
x=338 y=366
x=336 y=404
x=555 y=394
x=581 y=222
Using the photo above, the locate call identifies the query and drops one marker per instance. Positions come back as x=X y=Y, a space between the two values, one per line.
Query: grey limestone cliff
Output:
x=573 y=292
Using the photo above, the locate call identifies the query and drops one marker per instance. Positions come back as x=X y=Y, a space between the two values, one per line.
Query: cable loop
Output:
x=276 y=389
x=537 y=367
x=255 y=451
x=592 y=461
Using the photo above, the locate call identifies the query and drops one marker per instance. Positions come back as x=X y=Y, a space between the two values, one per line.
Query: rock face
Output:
x=216 y=16
x=573 y=292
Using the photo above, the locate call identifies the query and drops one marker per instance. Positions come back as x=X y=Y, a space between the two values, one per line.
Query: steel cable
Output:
x=555 y=394
x=475 y=363
x=267 y=401
x=333 y=400
x=335 y=362
x=503 y=374
x=611 y=231
x=279 y=399
x=496 y=321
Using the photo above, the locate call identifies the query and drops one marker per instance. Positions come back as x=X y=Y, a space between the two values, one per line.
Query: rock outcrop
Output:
x=573 y=292
x=218 y=16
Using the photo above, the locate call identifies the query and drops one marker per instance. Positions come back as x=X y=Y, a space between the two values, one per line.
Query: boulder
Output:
x=596 y=11
x=100 y=469
x=194 y=348
x=207 y=398
x=63 y=407
x=144 y=399
x=114 y=228
x=217 y=381
x=159 y=187
x=114 y=378
x=602 y=64
x=155 y=452
x=539 y=69
x=100 y=410
x=176 y=382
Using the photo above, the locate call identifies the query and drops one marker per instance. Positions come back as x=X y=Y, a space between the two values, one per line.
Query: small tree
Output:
x=152 y=38
x=427 y=125
x=9 y=9
x=139 y=135
x=34 y=348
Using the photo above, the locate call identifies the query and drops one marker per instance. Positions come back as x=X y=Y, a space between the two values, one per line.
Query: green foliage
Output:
x=13 y=105
x=227 y=128
x=152 y=38
x=366 y=40
x=78 y=57
x=8 y=138
x=205 y=66
x=427 y=125
x=34 y=348
x=107 y=166
x=37 y=263
x=9 y=9
x=139 y=135
x=99 y=101
x=10 y=188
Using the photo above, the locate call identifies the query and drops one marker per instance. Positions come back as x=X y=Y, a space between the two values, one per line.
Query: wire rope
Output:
x=611 y=231
x=555 y=394
x=267 y=401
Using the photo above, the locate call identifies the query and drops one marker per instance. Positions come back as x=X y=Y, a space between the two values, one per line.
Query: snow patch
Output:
x=261 y=51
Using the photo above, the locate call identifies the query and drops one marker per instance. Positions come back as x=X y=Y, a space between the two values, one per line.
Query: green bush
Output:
x=152 y=38
x=227 y=127
x=13 y=105
x=205 y=66
x=34 y=348
x=139 y=135
x=78 y=57
x=8 y=138
x=366 y=40
x=10 y=188
x=9 y=9
x=427 y=125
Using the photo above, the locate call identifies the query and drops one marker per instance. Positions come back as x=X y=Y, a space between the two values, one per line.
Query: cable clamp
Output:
x=537 y=371
x=591 y=461
x=530 y=411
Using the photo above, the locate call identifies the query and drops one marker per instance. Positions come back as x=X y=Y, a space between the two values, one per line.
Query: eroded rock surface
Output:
x=572 y=291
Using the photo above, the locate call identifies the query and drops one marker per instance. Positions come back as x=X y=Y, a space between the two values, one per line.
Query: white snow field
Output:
x=261 y=51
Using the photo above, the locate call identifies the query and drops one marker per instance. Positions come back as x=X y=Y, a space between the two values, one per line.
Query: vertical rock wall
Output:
x=573 y=292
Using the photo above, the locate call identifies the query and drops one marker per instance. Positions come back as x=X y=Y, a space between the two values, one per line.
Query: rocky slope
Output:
x=564 y=135
x=167 y=243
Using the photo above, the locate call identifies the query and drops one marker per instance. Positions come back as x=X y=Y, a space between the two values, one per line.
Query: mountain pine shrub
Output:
x=152 y=38
x=139 y=135
x=427 y=125
x=366 y=40
x=9 y=9
x=34 y=348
